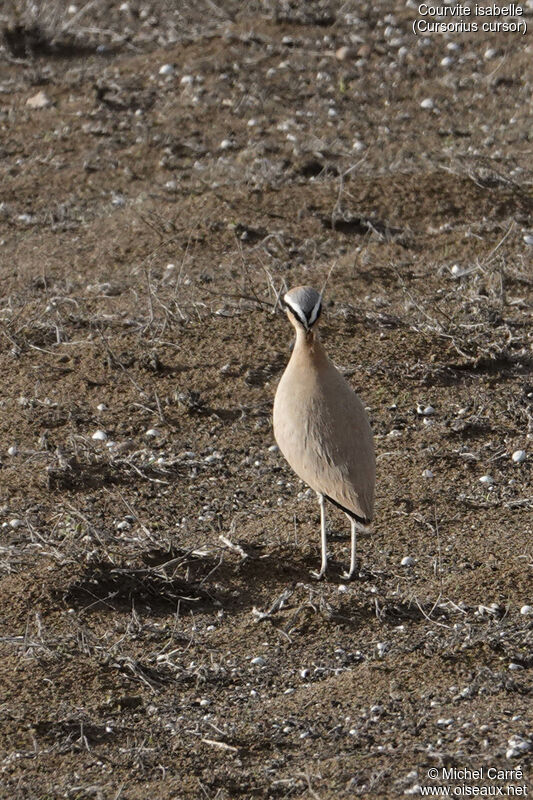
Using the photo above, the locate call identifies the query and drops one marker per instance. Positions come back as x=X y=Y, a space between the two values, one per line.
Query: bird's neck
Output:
x=309 y=347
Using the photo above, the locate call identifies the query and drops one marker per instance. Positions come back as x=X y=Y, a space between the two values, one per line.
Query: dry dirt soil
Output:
x=160 y=633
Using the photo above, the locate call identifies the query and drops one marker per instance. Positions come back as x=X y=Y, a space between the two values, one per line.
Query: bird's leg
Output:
x=324 y=564
x=353 y=560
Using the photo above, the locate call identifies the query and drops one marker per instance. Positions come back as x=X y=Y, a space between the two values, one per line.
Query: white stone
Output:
x=519 y=456
x=517 y=746
x=487 y=480
x=526 y=610
x=99 y=436
x=13 y=450
x=152 y=433
x=258 y=661
x=427 y=474
x=528 y=238
x=16 y=523
x=427 y=103
x=226 y=144
x=39 y=100
x=456 y=271
x=101 y=407
x=166 y=69
x=407 y=561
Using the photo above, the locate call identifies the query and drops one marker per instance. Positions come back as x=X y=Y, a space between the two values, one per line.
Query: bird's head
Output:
x=303 y=305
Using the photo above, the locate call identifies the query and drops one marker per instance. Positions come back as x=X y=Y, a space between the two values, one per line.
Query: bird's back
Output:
x=323 y=431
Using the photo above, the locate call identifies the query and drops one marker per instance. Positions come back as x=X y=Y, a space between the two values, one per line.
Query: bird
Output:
x=321 y=426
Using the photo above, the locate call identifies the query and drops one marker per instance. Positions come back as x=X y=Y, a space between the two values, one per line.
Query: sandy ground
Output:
x=166 y=173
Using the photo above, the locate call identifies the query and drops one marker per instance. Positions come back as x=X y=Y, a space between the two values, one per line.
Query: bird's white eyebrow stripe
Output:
x=297 y=310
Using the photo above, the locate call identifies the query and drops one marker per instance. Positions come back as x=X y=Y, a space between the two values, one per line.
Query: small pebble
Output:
x=99 y=436
x=407 y=561
x=344 y=53
x=487 y=480
x=101 y=407
x=425 y=411
x=258 y=661
x=519 y=456
x=123 y=526
x=517 y=746
x=16 y=523
x=39 y=100
x=124 y=447
x=514 y=666
x=226 y=144
x=427 y=103
x=427 y=474
x=166 y=69
x=526 y=610
x=152 y=433
x=13 y=450
x=528 y=238
x=382 y=648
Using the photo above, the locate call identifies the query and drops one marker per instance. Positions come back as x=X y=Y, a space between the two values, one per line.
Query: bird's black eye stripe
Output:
x=315 y=313
x=296 y=312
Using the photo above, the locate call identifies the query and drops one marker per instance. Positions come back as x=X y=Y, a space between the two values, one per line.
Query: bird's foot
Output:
x=350 y=575
x=318 y=575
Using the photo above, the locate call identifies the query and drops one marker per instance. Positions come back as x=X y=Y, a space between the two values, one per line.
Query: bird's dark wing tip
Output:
x=351 y=514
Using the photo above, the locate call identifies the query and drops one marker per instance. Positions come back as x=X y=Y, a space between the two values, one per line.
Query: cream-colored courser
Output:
x=321 y=426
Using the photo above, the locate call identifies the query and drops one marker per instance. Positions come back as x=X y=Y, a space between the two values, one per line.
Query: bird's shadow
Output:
x=271 y=585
